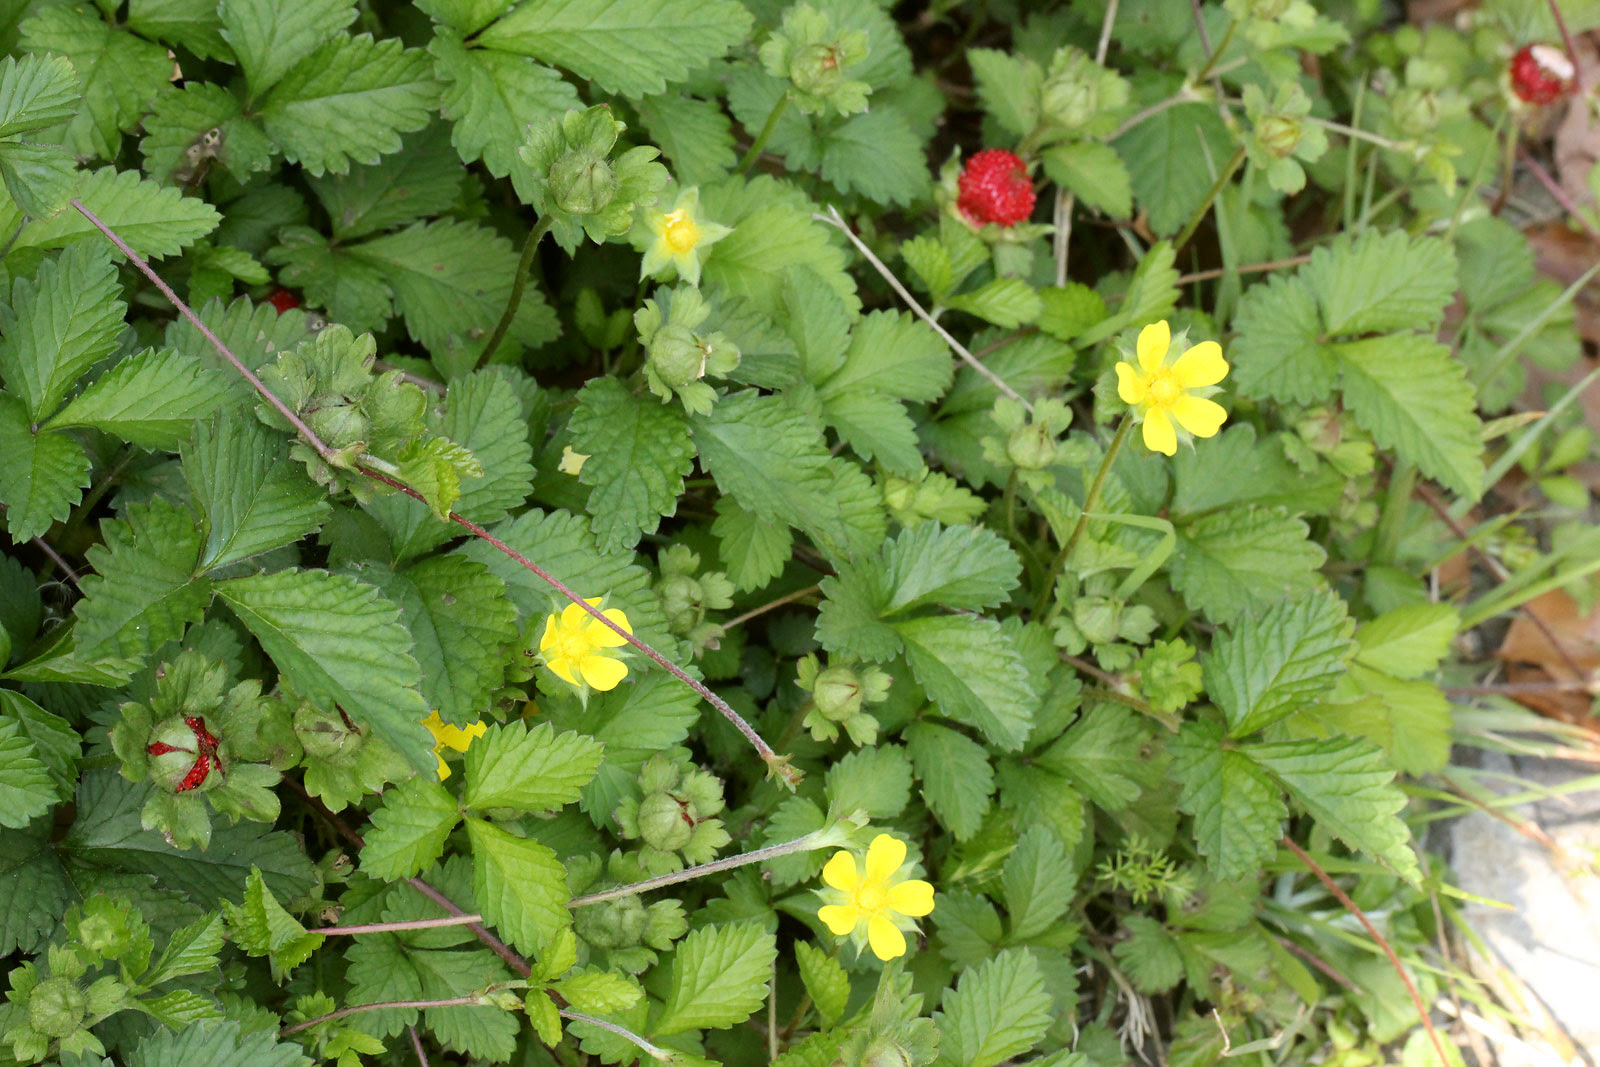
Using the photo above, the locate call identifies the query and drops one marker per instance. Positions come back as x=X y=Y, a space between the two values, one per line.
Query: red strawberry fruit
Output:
x=1541 y=74
x=995 y=187
x=283 y=300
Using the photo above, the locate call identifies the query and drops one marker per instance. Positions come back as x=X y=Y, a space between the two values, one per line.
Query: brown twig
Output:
x=58 y=560
x=356 y=1009
x=1248 y=268
x=787 y=598
x=1394 y=961
x=1319 y=963
x=416 y=1045
x=1560 y=194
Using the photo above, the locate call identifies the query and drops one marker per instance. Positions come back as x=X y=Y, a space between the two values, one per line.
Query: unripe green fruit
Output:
x=581 y=183
x=56 y=1007
x=664 y=822
x=619 y=923
x=676 y=355
x=837 y=693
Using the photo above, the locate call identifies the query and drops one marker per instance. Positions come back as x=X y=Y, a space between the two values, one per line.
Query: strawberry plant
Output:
x=725 y=531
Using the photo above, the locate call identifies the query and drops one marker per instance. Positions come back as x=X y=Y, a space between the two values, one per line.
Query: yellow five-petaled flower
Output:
x=876 y=899
x=574 y=646
x=1161 y=392
x=682 y=238
x=447 y=735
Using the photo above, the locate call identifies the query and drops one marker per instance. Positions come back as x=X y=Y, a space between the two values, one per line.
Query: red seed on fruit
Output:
x=197 y=774
x=1541 y=74
x=995 y=187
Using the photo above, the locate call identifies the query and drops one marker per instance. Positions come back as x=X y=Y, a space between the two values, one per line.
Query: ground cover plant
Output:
x=571 y=531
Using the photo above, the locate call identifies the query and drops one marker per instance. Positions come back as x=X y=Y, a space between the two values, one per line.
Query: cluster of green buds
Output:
x=181 y=741
x=1280 y=135
x=839 y=696
x=1030 y=447
x=673 y=815
x=893 y=1031
x=686 y=595
x=815 y=59
x=931 y=496
x=52 y=1012
x=1168 y=675
x=624 y=933
x=1100 y=619
x=1079 y=98
x=574 y=183
x=677 y=356
x=1270 y=23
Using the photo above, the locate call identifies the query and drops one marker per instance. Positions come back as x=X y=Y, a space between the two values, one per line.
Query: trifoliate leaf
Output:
x=695 y=136
x=217 y=1044
x=1094 y=173
x=630 y=48
x=1233 y=560
x=424 y=179
x=269 y=41
x=36 y=889
x=1279 y=353
x=339 y=642
x=152 y=399
x=968 y=567
x=1166 y=157
x=1037 y=884
x=973 y=673
x=408 y=832
x=249 y=499
x=36 y=92
x=719 y=978
x=154 y=220
x=26 y=790
x=1413 y=398
x=180 y=127
x=349 y=101
x=1006 y=302
x=1347 y=785
x=1409 y=641
x=875 y=780
x=1104 y=755
x=1238 y=811
x=1272 y=663
x=530 y=770
x=875 y=154
x=1376 y=282
x=520 y=886
x=44 y=474
x=824 y=979
x=753 y=551
x=58 y=325
x=957 y=781
x=118 y=74
x=261 y=926
x=639 y=450
x=999 y=1009
x=145 y=589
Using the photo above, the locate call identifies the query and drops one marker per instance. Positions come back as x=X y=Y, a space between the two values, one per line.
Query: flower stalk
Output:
x=1090 y=502
x=519 y=283
x=760 y=143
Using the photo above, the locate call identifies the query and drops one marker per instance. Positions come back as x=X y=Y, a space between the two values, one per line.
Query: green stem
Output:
x=818 y=839
x=765 y=135
x=1222 y=46
x=355 y=1009
x=1211 y=196
x=1090 y=502
x=518 y=284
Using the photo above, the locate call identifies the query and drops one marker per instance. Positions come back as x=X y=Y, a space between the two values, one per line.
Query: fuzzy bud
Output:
x=581 y=183
x=325 y=735
x=837 y=693
x=1278 y=135
x=339 y=425
x=1032 y=447
x=817 y=68
x=683 y=599
x=676 y=355
x=57 y=1007
x=619 y=923
x=664 y=822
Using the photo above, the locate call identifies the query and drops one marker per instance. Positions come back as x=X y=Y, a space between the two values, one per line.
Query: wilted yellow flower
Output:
x=447 y=735
x=1161 y=392
x=877 y=898
x=682 y=238
x=574 y=642
x=571 y=462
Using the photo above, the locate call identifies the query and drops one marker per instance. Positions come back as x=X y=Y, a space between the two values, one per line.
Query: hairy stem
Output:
x=1216 y=54
x=799 y=844
x=518 y=284
x=627 y=1035
x=760 y=143
x=356 y=1009
x=787 y=598
x=1090 y=502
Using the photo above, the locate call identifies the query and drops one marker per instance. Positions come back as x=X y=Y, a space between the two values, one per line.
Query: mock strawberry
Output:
x=1541 y=74
x=995 y=187
x=283 y=300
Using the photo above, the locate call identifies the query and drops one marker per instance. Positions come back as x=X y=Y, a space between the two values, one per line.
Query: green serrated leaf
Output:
x=154 y=220
x=145 y=589
x=217 y=1044
x=37 y=889
x=719 y=978
x=1094 y=173
x=997 y=1010
x=44 y=474
x=695 y=136
x=639 y=451
x=973 y=673
x=26 y=790
x=877 y=155
x=1037 y=884
x=1280 y=352
x=1166 y=157
x=1104 y=755
x=268 y=39
x=191 y=24
x=261 y=926
x=193 y=949
x=1411 y=720
x=1409 y=641
x=408 y=832
x=424 y=179
x=152 y=399
x=824 y=979
x=36 y=92
x=531 y=770
x=1238 y=811
x=874 y=780
x=39 y=177
x=520 y=885
x=180 y=128
x=58 y=325
x=1233 y=560
x=1375 y=282
x=1008 y=87
x=968 y=567
x=753 y=551
x=1006 y=302
x=957 y=780
x=894 y=354
x=1274 y=662
x=250 y=500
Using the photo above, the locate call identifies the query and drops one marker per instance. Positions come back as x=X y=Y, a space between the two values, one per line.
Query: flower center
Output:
x=682 y=233
x=1163 y=388
x=871 y=898
x=573 y=645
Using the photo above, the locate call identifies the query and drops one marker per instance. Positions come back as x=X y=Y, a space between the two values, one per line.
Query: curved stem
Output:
x=1090 y=502
x=760 y=143
x=787 y=598
x=627 y=1035
x=518 y=284
x=1216 y=54
x=1211 y=195
x=817 y=839
x=356 y=1009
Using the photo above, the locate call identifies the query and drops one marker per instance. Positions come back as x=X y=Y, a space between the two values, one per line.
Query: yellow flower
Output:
x=1161 y=392
x=681 y=238
x=876 y=898
x=573 y=645
x=571 y=462
x=447 y=735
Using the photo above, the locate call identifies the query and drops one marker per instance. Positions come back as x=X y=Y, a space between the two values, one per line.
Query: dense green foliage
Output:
x=937 y=584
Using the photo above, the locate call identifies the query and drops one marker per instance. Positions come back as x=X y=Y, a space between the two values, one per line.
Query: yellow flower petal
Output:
x=1158 y=433
x=444 y=768
x=561 y=667
x=840 y=873
x=884 y=857
x=1154 y=340
x=552 y=632
x=885 y=938
x=1201 y=365
x=840 y=918
x=913 y=897
x=1199 y=416
x=602 y=672
x=602 y=636
x=572 y=616
x=1130 y=384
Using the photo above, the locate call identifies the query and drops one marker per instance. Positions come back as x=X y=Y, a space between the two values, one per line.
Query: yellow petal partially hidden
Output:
x=444 y=768
x=885 y=938
x=840 y=918
x=1130 y=384
x=602 y=636
x=552 y=632
x=884 y=857
x=1199 y=416
x=602 y=672
x=1154 y=340
x=913 y=898
x=1158 y=433
x=1201 y=365
x=840 y=873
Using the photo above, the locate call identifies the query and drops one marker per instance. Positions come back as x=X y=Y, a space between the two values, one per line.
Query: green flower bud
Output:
x=1279 y=135
x=817 y=68
x=57 y=1007
x=887 y=1054
x=1032 y=447
x=1071 y=101
x=581 y=183
x=1098 y=618
x=619 y=923
x=104 y=931
x=676 y=355
x=325 y=735
x=684 y=602
x=1415 y=111
x=837 y=692
x=339 y=425
x=665 y=822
